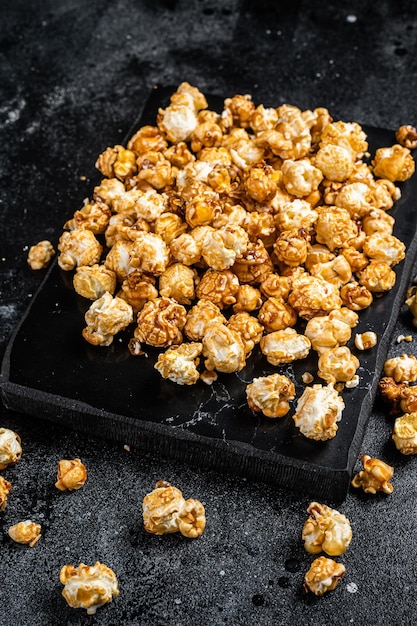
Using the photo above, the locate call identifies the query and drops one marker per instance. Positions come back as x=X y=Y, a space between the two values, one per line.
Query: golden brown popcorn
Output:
x=300 y=178
x=199 y=318
x=92 y=281
x=297 y=214
x=202 y=209
x=249 y=329
x=137 y=288
x=224 y=349
x=355 y=296
x=356 y=198
x=160 y=323
x=276 y=314
x=78 y=247
x=326 y=530
x=220 y=248
x=248 y=298
x=185 y=249
x=263 y=118
x=259 y=182
x=284 y=346
x=357 y=260
x=10 y=448
x=206 y=135
x=366 y=340
x=117 y=162
x=179 y=363
x=384 y=247
x=349 y=135
x=119 y=227
x=377 y=277
x=40 y=255
x=218 y=286
x=404 y=434
x=5 y=488
x=108 y=191
x=179 y=155
x=324 y=575
x=378 y=221
x=407 y=136
x=179 y=119
x=149 y=253
x=71 y=475
x=255 y=264
x=106 y=317
x=166 y=511
x=270 y=395
x=178 y=282
x=337 y=271
x=374 y=477
x=318 y=410
x=119 y=260
x=336 y=162
x=26 y=532
x=384 y=193
x=241 y=108
x=155 y=170
x=290 y=247
x=318 y=253
x=312 y=295
x=394 y=163
x=295 y=129
x=402 y=368
x=337 y=365
x=147 y=139
x=334 y=227
x=276 y=286
x=169 y=226
x=88 y=586
x=327 y=332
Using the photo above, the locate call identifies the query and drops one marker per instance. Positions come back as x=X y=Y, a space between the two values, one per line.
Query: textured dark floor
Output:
x=73 y=76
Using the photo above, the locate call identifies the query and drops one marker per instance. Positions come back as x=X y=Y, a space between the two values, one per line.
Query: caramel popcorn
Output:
x=366 y=340
x=284 y=346
x=384 y=247
x=179 y=363
x=88 y=586
x=249 y=328
x=178 y=282
x=377 y=277
x=40 y=255
x=220 y=287
x=160 y=322
x=326 y=332
x=78 y=247
x=324 y=575
x=200 y=316
x=337 y=365
x=223 y=348
x=106 y=317
x=270 y=395
x=5 y=488
x=93 y=281
x=317 y=412
x=404 y=434
x=10 y=448
x=326 y=530
x=26 y=532
x=394 y=163
x=407 y=136
x=94 y=216
x=276 y=314
x=72 y=475
x=402 y=368
x=374 y=477
x=312 y=295
x=166 y=511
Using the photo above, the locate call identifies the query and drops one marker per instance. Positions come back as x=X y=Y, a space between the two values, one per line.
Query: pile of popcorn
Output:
x=217 y=232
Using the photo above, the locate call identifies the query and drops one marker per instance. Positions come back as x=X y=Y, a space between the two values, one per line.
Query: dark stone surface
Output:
x=73 y=76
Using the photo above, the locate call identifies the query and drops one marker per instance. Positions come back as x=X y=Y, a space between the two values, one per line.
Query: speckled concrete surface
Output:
x=73 y=76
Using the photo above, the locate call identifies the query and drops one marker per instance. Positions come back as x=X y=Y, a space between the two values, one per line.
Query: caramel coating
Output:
x=199 y=318
x=78 y=247
x=106 y=317
x=5 y=488
x=326 y=332
x=71 y=475
x=26 y=532
x=223 y=348
x=374 y=477
x=324 y=575
x=394 y=163
x=284 y=346
x=178 y=282
x=318 y=410
x=10 y=448
x=276 y=314
x=40 y=255
x=270 y=395
x=218 y=286
x=88 y=586
x=337 y=365
x=326 y=530
x=160 y=323
x=402 y=368
x=377 y=277
x=166 y=511
x=312 y=295
x=92 y=281
x=407 y=136
x=249 y=329
x=404 y=434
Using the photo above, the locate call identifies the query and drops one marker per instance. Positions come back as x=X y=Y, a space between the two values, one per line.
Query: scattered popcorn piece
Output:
x=40 y=255
x=326 y=530
x=25 y=532
x=317 y=412
x=72 y=475
x=284 y=346
x=10 y=448
x=366 y=340
x=179 y=363
x=394 y=163
x=324 y=575
x=270 y=395
x=406 y=338
x=106 y=317
x=374 y=477
x=407 y=136
x=166 y=511
x=404 y=434
x=337 y=365
x=5 y=488
x=402 y=368
x=88 y=586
